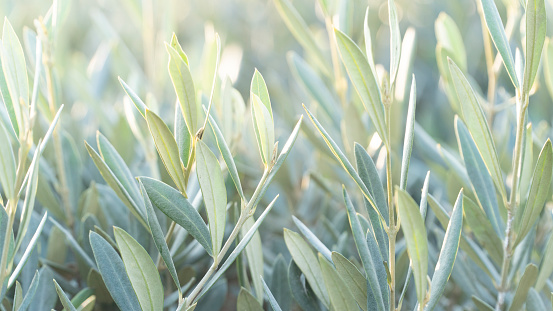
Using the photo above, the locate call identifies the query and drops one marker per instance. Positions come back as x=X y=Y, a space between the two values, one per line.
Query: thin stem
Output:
x=522 y=103
x=62 y=188
x=391 y=211
x=245 y=213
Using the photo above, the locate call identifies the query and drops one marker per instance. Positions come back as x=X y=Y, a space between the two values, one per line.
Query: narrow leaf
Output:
x=7 y=163
x=175 y=206
x=546 y=264
x=341 y=157
x=247 y=301
x=414 y=231
x=374 y=290
x=113 y=273
x=363 y=80
x=353 y=279
x=535 y=38
x=264 y=129
x=526 y=282
x=159 y=238
x=141 y=271
x=395 y=40
x=481 y=180
x=477 y=125
x=272 y=300
x=64 y=299
x=312 y=239
x=167 y=149
x=138 y=103
x=409 y=135
x=448 y=253
x=307 y=261
x=497 y=32
x=539 y=192
x=227 y=157
x=184 y=87
x=301 y=32
x=214 y=193
x=340 y=296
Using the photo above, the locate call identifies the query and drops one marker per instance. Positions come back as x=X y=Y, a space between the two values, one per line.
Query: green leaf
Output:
x=448 y=253
x=7 y=163
x=477 y=125
x=115 y=184
x=17 y=296
x=546 y=264
x=64 y=299
x=280 y=160
x=409 y=135
x=369 y=175
x=341 y=157
x=307 y=261
x=15 y=73
x=548 y=65
x=120 y=171
x=84 y=299
x=182 y=137
x=539 y=192
x=481 y=180
x=247 y=301
x=353 y=279
x=167 y=149
x=264 y=129
x=497 y=32
x=176 y=45
x=364 y=81
x=450 y=38
x=376 y=296
x=481 y=305
x=535 y=36
x=414 y=231
x=534 y=302
x=30 y=247
x=238 y=249
x=214 y=193
x=31 y=291
x=173 y=204
x=395 y=40
x=312 y=239
x=141 y=270
x=340 y=296
x=254 y=254
x=138 y=103
x=272 y=300
x=227 y=157
x=280 y=284
x=301 y=32
x=184 y=87
x=158 y=236
x=301 y=294
x=526 y=282
x=483 y=230
x=368 y=43
x=469 y=247
x=113 y=273
x=259 y=88
x=314 y=86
